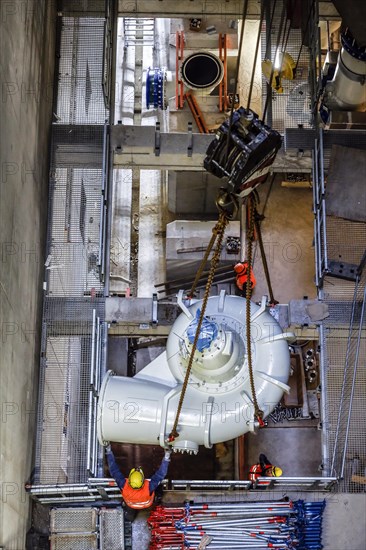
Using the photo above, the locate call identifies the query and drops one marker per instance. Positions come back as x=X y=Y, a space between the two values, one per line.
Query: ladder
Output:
x=223 y=104
x=139 y=31
x=196 y=112
x=179 y=86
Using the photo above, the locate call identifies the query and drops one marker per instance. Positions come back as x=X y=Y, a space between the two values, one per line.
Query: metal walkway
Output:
x=87 y=528
x=74 y=334
x=341 y=281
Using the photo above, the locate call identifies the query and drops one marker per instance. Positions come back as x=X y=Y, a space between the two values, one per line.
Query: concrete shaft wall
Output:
x=27 y=59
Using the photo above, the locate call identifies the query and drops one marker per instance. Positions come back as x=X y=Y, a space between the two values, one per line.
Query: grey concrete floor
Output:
x=287 y=233
x=27 y=60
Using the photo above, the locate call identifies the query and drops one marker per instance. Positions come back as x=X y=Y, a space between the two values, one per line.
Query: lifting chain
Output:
x=258 y=413
x=217 y=235
x=258 y=218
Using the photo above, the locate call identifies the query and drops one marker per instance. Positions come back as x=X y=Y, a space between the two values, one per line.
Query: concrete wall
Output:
x=193 y=193
x=27 y=59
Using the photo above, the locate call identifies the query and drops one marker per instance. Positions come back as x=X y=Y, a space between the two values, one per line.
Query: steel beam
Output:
x=134 y=147
x=187 y=8
x=304 y=138
x=219 y=8
x=133 y=311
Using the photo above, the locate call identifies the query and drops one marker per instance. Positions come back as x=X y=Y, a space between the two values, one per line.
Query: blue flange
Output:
x=155 y=88
x=351 y=46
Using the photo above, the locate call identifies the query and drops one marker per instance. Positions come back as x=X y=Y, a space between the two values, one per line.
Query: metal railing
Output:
x=348 y=384
x=105 y=204
x=274 y=484
x=97 y=370
x=320 y=228
x=102 y=490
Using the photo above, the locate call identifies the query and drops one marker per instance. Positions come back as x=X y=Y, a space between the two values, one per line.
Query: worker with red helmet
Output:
x=138 y=493
x=264 y=469
x=242 y=273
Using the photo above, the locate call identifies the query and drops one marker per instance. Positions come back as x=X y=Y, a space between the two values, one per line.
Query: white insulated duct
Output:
x=218 y=403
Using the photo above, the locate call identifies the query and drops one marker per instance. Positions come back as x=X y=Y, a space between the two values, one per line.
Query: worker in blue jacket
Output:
x=137 y=492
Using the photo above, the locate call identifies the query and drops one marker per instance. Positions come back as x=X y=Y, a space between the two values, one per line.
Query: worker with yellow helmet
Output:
x=137 y=492
x=264 y=469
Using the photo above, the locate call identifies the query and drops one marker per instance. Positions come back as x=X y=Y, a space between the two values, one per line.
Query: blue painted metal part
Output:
x=155 y=88
x=208 y=332
x=351 y=46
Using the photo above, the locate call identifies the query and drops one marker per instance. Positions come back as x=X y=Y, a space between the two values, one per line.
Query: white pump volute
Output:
x=218 y=402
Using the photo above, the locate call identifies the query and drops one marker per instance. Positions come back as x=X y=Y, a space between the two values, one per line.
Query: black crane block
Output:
x=247 y=159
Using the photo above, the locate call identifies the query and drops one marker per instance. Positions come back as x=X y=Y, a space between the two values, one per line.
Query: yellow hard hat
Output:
x=277 y=472
x=136 y=478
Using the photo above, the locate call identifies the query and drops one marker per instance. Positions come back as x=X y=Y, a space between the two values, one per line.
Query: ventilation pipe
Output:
x=347 y=91
x=218 y=403
x=200 y=72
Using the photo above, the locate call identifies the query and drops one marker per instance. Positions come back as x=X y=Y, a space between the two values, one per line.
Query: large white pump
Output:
x=218 y=402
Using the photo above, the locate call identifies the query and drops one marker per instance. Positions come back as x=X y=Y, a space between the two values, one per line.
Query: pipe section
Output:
x=202 y=71
x=218 y=402
x=347 y=91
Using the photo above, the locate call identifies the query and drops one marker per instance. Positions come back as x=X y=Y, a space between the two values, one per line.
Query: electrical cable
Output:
x=270 y=28
x=255 y=57
x=263 y=211
x=245 y=9
x=279 y=35
x=304 y=35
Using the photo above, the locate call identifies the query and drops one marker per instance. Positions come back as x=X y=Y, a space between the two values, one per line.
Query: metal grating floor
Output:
x=73 y=542
x=73 y=330
x=63 y=409
x=74 y=230
x=346 y=242
x=73 y=520
x=336 y=348
x=292 y=107
x=80 y=96
x=81 y=528
x=112 y=529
